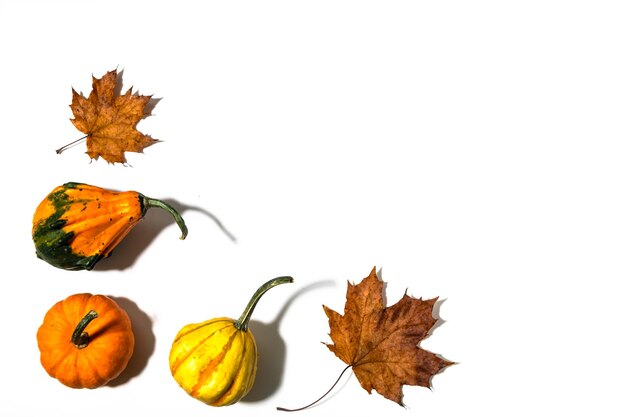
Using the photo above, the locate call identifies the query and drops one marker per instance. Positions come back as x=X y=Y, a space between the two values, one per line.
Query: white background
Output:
x=471 y=150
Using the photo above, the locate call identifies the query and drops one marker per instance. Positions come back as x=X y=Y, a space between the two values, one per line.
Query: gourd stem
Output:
x=243 y=321
x=320 y=398
x=80 y=338
x=153 y=202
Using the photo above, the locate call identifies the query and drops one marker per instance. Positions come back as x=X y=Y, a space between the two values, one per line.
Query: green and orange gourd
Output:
x=77 y=225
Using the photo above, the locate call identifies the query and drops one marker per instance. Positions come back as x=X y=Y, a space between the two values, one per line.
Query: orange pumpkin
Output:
x=85 y=340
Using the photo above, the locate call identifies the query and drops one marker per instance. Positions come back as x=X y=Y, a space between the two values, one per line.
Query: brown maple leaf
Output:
x=380 y=343
x=109 y=120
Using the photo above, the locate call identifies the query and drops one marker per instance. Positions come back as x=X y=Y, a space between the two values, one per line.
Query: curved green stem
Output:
x=80 y=338
x=153 y=202
x=244 y=320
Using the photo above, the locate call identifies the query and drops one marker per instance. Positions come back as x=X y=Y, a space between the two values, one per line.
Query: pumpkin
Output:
x=85 y=340
x=77 y=225
x=215 y=361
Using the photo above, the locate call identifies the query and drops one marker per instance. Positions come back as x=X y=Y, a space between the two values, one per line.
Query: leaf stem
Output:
x=69 y=145
x=320 y=398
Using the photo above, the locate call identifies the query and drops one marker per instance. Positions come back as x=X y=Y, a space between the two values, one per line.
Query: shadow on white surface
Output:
x=437 y=316
x=272 y=349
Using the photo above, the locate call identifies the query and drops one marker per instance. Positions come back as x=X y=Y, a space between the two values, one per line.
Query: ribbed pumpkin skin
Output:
x=214 y=362
x=110 y=347
x=77 y=225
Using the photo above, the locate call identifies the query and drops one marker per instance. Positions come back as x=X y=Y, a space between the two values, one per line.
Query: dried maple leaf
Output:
x=382 y=343
x=109 y=120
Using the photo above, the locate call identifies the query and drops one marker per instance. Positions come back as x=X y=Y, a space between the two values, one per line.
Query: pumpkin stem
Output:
x=320 y=398
x=80 y=338
x=243 y=321
x=153 y=202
